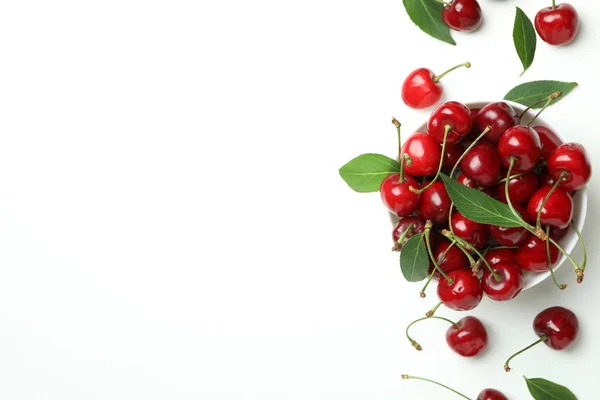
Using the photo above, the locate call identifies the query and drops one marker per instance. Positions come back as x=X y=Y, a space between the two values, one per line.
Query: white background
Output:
x=172 y=222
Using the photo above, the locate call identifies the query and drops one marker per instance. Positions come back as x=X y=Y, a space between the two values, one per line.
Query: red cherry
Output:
x=464 y=293
x=482 y=164
x=462 y=15
x=474 y=128
x=469 y=338
x=509 y=284
x=453 y=260
x=510 y=236
x=451 y=156
x=422 y=89
x=557 y=327
x=520 y=189
x=546 y=179
x=435 y=203
x=452 y=113
x=557 y=25
x=572 y=162
x=532 y=254
x=558 y=210
x=425 y=153
x=558 y=233
x=397 y=196
x=468 y=182
x=548 y=139
x=474 y=233
x=491 y=394
x=522 y=144
x=418 y=226
x=496 y=256
x=499 y=116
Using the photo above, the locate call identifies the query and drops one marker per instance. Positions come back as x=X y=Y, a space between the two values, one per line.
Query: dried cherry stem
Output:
x=508 y=178
x=538 y=232
x=506 y=365
x=582 y=268
x=435 y=383
x=447 y=130
x=433 y=310
x=545 y=99
x=549 y=100
x=538 y=224
x=467 y=246
x=437 y=78
x=428 y=226
x=485 y=132
x=441 y=257
x=561 y=286
x=414 y=343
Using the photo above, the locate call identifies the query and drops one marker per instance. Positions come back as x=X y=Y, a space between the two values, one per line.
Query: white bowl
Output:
x=580 y=201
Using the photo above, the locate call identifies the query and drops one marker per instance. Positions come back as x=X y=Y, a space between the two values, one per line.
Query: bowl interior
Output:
x=580 y=200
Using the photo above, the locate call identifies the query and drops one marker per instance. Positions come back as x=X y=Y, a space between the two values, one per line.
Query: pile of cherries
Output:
x=488 y=149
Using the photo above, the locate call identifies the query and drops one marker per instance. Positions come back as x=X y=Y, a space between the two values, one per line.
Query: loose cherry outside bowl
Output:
x=580 y=201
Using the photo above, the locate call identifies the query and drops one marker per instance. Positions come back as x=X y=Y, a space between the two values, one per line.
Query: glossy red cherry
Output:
x=422 y=88
x=397 y=196
x=435 y=203
x=491 y=394
x=557 y=25
x=474 y=128
x=468 y=182
x=495 y=256
x=558 y=210
x=463 y=293
x=509 y=284
x=425 y=153
x=449 y=260
x=532 y=254
x=462 y=15
x=571 y=161
x=468 y=338
x=417 y=226
x=474 y=233
x=522 y=144
x=510 y=236
x=546 y=179
x=499 y=116
x=549 y=141
x=557 y=327
x=558 y=233
x=482 y=164
x=520 y=189
x=451 y=156
x=452 y=113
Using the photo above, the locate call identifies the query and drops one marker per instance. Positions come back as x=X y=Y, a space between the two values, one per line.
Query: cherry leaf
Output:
x=525 y=39
x=529 y=92
x=365 y=173
x=414 y=261
x=542 y=389
x=427 y=15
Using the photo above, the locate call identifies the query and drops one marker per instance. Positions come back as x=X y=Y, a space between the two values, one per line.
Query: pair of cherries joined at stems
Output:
x=493 y=139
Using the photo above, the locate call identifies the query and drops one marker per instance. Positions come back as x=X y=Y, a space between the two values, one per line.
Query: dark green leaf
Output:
x=414 y=261
x=530 y=92
x=541 y=389
x=427 y=15
x=478 y=206
x=366 y=172
x=525 y=39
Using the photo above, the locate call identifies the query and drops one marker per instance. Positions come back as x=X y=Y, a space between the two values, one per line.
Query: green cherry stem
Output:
x=447 y=130
x=450 y=217
x=414 y=343
x=582 y=247
x=435 y=383
x=549 y=100
x=433 y=310
x=468 y=246
x=578 y=269
x=405 y=233
x=538 y=232
x=503 y=247
x=436 y=79
x=510 y=177
x=550 y=97
x=561 y=286
x=554 y=4
x=485 y=131
x=506 y=365
x=428 y=225
x=538 y=224
x=441 y=257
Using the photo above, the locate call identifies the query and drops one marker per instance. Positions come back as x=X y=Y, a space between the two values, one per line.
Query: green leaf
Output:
x=478 y=206
x=541 y=389
x=525 y=39
x=427 y=15
x=414 y=261
x=365 y=173
x=529 y=92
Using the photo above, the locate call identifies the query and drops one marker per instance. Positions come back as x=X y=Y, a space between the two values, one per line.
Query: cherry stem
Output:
x=463 y=242
x=402 y=159
x=433 y=310
x=436 y=79
x=405 y=233
x=512 y=208
x=582 y=247
x=485 y=131
x=538 y=224
x=435 y=264
x=447 y=130
x=441 y=257
x=561 y=286
x=549 y=100
x=435 y=383
x=554 y=4
x=397 y=125
x=508 y=178
x=450 y=216
x=578 y=269
x=414 y=343
x=502 y=247
x=506 y=365
x=552 y=96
